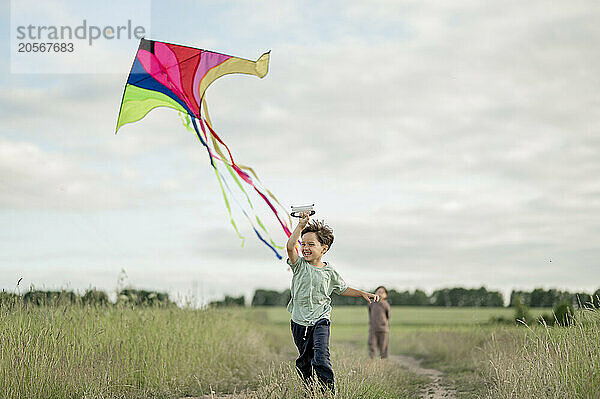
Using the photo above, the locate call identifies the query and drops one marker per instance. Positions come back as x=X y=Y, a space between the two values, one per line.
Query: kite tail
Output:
x=228 y=206
x=224 y=160
x=260 y=223
x=231 y=172
x=186 y=123
x=222 y=181
x=248 y=180
x=250 y=221
x=243 y=167
x=268 y=191
x=239 y=171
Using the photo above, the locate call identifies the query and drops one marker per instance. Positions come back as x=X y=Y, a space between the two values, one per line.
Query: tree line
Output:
x=454 y=297
x=93 y=297
x=457 y=296
x=443 y=297
x=541 y=298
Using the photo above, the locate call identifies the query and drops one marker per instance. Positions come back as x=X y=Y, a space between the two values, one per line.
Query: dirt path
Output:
x=213 y=396
x=435 y=389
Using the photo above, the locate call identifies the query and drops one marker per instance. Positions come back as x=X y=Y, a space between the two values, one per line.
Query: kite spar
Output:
x=175 y=76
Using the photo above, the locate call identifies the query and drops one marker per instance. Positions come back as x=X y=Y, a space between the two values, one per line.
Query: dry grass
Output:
x=76 y=352
x=548 y=363
x=534 y=362
x=124 y=352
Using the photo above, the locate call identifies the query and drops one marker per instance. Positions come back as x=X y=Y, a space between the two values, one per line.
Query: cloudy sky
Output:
x=446 y=143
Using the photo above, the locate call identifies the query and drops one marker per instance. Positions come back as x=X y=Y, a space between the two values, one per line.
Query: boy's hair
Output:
x=381 y=286
x=324 y=233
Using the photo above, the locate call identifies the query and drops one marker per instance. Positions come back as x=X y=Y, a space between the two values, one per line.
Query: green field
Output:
x=403 y=316
x=150 y=352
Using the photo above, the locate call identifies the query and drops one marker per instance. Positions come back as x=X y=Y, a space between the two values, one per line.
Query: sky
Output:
x=446 y=143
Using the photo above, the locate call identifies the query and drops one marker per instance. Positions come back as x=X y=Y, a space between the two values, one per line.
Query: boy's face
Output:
x=381 y=293
x=311 y=247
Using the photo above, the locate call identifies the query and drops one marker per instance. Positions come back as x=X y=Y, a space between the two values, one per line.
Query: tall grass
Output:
x=74 y=351
x=547 y=362
x=118 y=352
x=357 y=377
x=537 y=362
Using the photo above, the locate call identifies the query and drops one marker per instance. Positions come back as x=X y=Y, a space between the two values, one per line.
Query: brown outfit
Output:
x=379 y=328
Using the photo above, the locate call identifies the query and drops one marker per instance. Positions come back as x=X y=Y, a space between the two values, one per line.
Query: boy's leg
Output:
x=321 y=362
x=303 y=340
x=372 y=343
x=383 y=341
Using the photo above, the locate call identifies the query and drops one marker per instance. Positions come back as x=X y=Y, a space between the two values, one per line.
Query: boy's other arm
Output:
x=291 y=243
x=358 y=293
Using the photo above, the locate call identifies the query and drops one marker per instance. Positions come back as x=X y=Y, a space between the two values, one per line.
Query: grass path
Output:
x=211 y=397
x=435 y=389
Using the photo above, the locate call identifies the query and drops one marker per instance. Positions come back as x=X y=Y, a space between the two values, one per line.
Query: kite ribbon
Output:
x=240 y=172
x=186 y=123
x=271 y=245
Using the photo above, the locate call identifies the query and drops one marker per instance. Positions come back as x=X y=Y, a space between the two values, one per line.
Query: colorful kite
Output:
x=174 y=76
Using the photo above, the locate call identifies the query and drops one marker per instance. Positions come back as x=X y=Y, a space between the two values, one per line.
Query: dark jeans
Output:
x=313 y=345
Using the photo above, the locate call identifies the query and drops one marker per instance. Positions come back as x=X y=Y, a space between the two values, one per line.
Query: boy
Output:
x=379 y=324
x=310 y=305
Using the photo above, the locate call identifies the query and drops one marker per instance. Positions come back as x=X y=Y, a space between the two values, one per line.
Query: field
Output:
x=123 y=352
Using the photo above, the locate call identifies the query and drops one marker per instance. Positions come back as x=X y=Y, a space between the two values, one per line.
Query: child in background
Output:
x=379 y=324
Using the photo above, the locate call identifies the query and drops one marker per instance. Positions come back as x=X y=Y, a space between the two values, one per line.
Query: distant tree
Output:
x=229 y=301
x=95 y=298
x=542 y=298
x=523 y=297
x=270 y=298
x=50 y=298
x=466 y=297
x=494 y=299
x=419 y=298
x=441 y=297
x=398 y=298
x=130 y=296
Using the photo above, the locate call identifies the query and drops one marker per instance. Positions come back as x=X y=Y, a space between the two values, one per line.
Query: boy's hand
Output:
x=304 y=216
x=370 y=297
x=293 y=239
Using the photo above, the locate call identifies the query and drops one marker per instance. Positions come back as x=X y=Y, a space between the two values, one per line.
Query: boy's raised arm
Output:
x=291 y=243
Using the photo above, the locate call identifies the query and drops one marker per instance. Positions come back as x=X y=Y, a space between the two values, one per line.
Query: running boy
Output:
x=310 y=305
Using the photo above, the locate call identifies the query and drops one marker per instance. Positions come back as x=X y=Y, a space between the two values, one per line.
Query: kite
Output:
x=175 y=76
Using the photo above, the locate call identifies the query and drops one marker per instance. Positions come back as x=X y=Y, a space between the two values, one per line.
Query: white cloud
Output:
x=34 y=178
